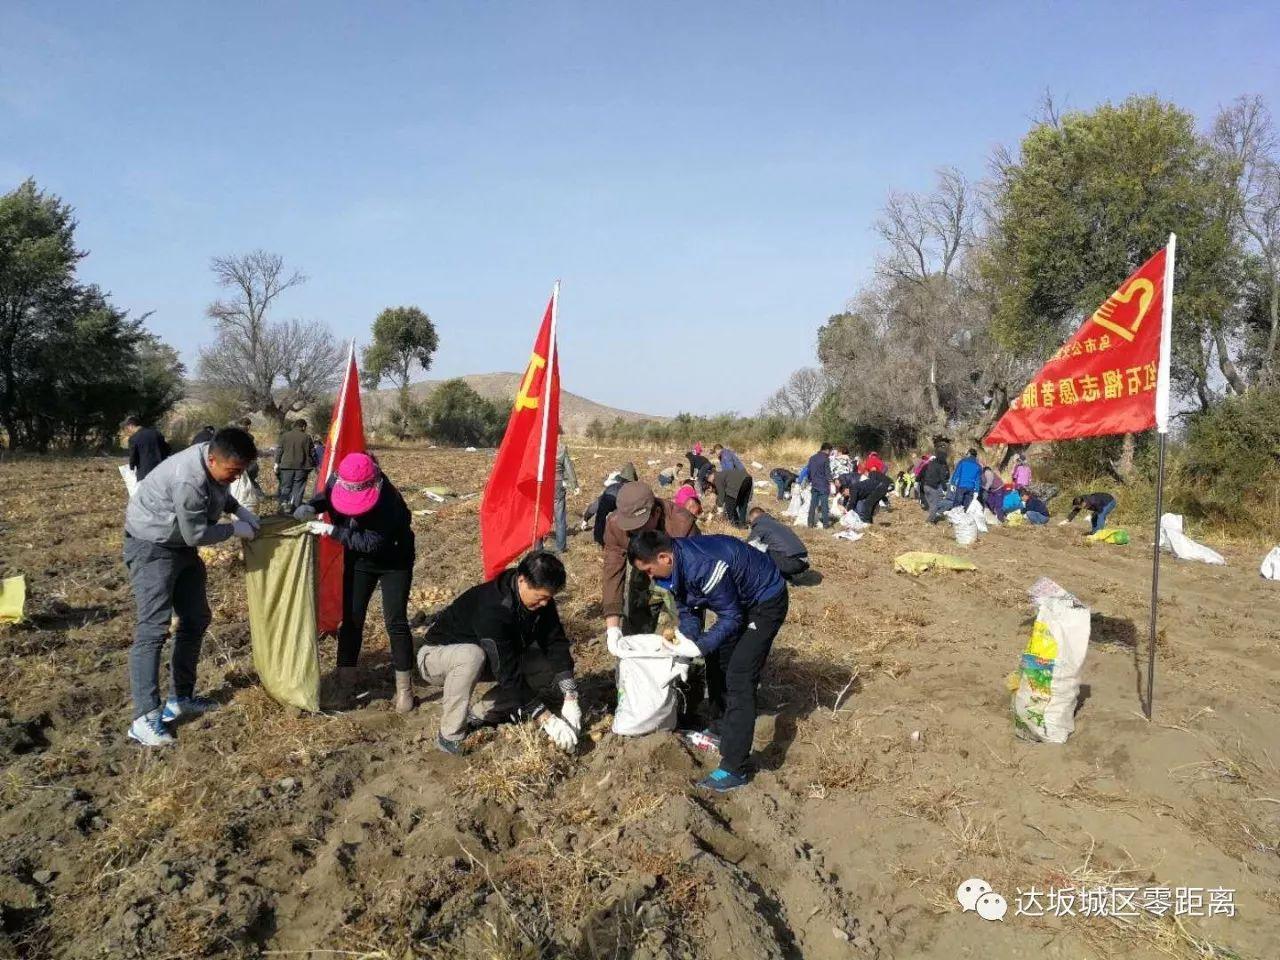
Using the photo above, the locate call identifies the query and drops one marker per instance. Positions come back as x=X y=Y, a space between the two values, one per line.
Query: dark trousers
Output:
x=293 y=485
x=733 y=674
x=789 y=567
x=358 y=583
x=1100 y=518
x=561 y=516
x=166 y=581
x=819 y=507
x=737 y=503
x=963 y=497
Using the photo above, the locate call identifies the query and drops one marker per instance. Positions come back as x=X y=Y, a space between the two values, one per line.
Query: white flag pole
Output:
x=546 y=406
x=1162 y=428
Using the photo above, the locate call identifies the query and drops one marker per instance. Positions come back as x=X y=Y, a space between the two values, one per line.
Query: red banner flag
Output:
x=518 y=499
x=1111 y=377
x=346 y=435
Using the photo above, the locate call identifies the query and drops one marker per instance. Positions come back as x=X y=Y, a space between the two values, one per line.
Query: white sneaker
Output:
x=150 y=732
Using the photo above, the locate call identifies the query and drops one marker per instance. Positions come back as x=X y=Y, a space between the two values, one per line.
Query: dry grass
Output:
x=517 y=762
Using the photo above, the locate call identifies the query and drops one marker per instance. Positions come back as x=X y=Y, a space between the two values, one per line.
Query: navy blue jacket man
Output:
x=743 y=588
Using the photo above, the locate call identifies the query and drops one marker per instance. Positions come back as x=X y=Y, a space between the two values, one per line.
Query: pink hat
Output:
x=358 y=485
x=684 y=495
x=697 y=449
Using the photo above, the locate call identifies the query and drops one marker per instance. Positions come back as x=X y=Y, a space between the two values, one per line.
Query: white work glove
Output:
x=249 y=517
x=577 y=491
x=320 y=528
x=561 y=734
x=243 y=529
x=1063 y=523
x=681 y=646
x=572 y=713
x=305 y=512
x=613 y=634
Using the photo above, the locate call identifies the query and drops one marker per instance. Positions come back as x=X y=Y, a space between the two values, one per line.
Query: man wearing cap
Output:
x=625 y=595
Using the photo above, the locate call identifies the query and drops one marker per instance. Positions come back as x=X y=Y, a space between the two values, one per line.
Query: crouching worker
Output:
x=780 y=542
x=507 y=630
x=368 y=516
x=176 y=510
x=743 y=588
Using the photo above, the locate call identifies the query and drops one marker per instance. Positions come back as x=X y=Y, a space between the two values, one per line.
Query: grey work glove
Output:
x=249 y=517
x=305 y=512
x=243 y=529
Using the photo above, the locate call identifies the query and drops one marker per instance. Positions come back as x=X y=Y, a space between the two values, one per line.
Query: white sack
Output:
x=1271 y=565
x=1044 y=705
x=130 y=479
x=976 y=513
x=1183 y=547
x=646 y=679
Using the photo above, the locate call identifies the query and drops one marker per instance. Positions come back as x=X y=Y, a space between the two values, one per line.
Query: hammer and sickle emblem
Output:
x=524 y=401
x=1139 y=287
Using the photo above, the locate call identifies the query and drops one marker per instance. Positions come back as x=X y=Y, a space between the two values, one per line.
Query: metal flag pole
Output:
x=1162 y=427
x=546 y=407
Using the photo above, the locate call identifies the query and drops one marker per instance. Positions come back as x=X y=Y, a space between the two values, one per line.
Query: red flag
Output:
x=346 y=435
x=1106 y=378
x=516 y=510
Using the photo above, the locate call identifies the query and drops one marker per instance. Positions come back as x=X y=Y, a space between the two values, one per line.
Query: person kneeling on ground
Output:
x=1035 y=509
x=782 y=480
x=1098 y=504
x=507 y=630
x=745 y=591
x=780 y=542
x=369 y=517
x=174 y=512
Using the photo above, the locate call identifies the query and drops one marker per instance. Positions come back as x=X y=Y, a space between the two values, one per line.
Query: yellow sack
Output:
x=13 y=597
x=1110 y=535
x=280 y=580
x=917 y=562
x=1015 y=520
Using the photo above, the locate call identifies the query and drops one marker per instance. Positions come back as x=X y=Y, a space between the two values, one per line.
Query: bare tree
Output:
x=800 y=395
x=275 y=366
x=1245 y=135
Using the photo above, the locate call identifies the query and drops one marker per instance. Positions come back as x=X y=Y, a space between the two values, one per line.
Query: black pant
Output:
x=733 y=673
x=789 y=567
x=736 y=503
x=293 y=486
x=358 y=582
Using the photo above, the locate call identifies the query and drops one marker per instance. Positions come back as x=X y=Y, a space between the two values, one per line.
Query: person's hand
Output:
x=571 y=712
x=305 y=512
x=249 y=517
x=577 y=491
x=561 y=734
x=613 y=634
x=681 y=646
x=320 y=528
x=1063 y=523
x=243 y=529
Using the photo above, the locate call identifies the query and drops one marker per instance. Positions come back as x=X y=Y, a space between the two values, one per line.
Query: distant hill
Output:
x=575 y=412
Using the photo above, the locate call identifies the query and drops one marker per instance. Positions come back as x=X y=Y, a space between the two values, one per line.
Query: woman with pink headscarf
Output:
x=369 y=518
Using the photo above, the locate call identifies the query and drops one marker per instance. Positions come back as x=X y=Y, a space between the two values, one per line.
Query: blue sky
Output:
x=703 y=177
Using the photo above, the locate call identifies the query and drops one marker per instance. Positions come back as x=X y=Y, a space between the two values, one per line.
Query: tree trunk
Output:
x=1229 y=371
x=1269 y=361
x=935 y=401
x=1124 y=466
x=275 y=415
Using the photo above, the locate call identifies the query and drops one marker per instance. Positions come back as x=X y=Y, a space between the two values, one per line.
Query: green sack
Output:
x=280 y=580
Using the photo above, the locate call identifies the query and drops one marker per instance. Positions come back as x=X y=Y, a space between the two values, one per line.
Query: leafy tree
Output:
x=403 y=337
x=455 y=414
x=276 y=366
x=1087 y=200
x=72 y=365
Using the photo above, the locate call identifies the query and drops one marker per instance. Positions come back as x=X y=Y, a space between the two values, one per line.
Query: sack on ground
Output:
x=1044 y=704
x=977 y=514
x=1271 y=565
x=280 y=583
x=1116 y=535
x=962 y=524
x=646 y=678
x=1183 y=547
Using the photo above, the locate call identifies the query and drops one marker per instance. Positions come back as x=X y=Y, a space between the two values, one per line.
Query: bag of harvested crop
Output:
x=962 y=524
x=977 y=514
x=646 y=678
x=1271 y=565
x=1049 y=675
x=280 y=585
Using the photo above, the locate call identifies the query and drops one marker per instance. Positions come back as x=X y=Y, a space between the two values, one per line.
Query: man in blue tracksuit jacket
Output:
x=743 y=588
x=965 y=479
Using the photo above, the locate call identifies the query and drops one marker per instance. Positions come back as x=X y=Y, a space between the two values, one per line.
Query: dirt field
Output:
x=266 y=832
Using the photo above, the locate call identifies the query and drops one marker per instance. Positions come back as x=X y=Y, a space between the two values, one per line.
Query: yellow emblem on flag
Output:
x=524 y=400
x=1139 y=287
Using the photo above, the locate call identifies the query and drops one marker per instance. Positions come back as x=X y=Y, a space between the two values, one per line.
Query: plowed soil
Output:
x=888 y=771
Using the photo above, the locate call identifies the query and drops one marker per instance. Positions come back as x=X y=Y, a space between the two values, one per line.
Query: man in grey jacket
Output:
x=294 y=460
x=177 y=509
x=566 y=477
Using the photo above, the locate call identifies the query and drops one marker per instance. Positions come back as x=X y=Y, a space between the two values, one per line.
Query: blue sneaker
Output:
x=187 y=708
x=149 y=731
x=722 y=781
x=454 y=747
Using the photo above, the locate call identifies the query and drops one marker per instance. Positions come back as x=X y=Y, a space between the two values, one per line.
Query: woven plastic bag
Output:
x=1044 y=703
x=280 y=582
x=646 y=678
